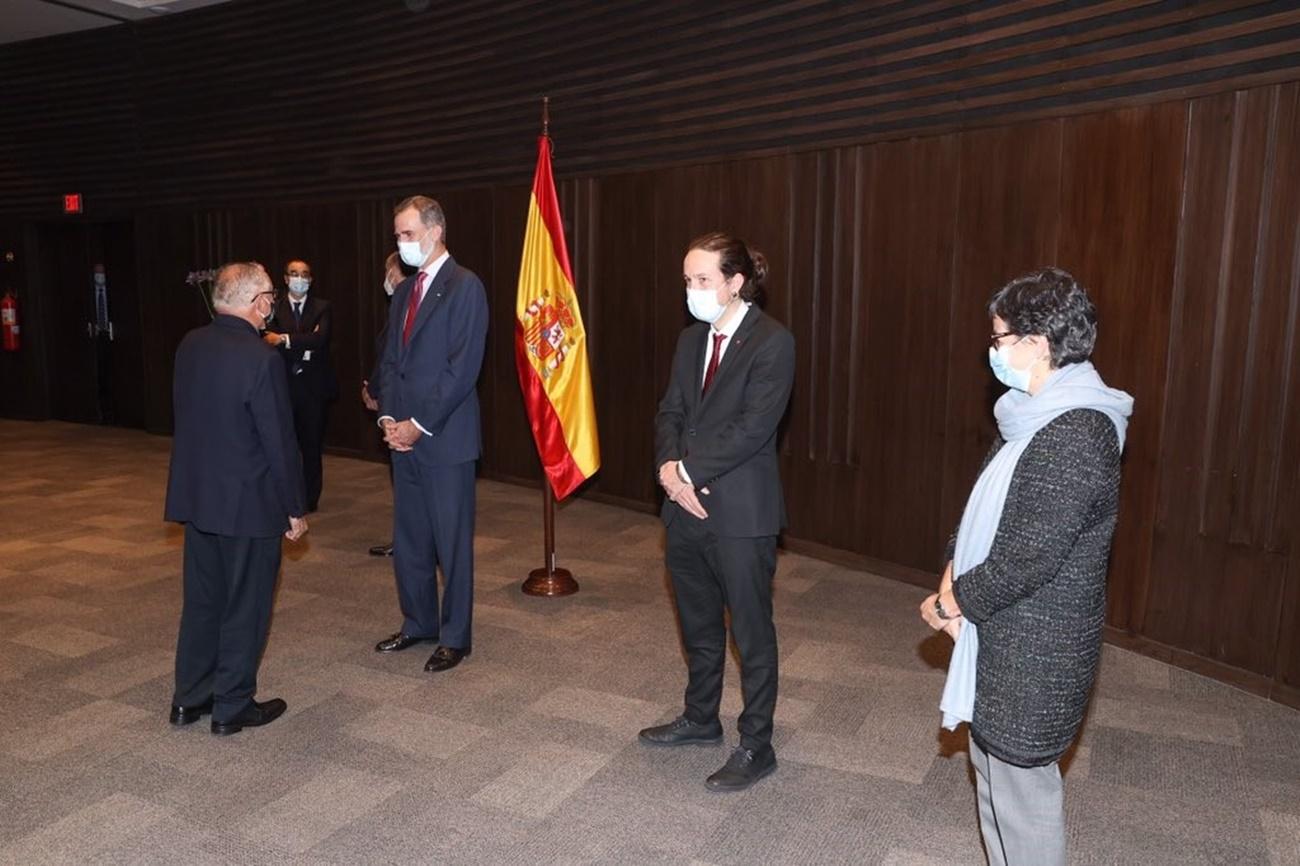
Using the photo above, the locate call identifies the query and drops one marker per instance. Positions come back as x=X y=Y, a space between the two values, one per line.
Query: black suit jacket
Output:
x=726 y=439
x=311 y=334
x=235 y=468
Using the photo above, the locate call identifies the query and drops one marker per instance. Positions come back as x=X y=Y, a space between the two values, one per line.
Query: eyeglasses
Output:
x=275 y=296
x=995 y=339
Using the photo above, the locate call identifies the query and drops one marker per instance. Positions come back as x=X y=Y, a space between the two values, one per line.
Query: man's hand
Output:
x=272 y=338
x=297 y=528
x=668 y=477
x=401 y=435
x=679 y=491
x=367 y=400
x=687 y=499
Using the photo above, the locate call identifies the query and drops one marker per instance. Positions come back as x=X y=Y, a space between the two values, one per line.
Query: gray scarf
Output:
x=1019 y=417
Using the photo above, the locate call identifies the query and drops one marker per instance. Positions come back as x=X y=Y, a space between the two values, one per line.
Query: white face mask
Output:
x=299 y=285
x=1012 y=377
x=389 y=288
x=703 y=304
x=412 y=252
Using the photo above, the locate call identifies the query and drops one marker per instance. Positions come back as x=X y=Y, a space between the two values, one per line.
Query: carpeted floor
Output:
x=527 y=753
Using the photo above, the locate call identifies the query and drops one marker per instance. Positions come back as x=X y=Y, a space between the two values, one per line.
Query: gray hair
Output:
x=430 y=212
x=238 y=284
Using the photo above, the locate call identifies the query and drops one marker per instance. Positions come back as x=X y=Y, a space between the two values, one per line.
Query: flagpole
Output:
x=548 y=580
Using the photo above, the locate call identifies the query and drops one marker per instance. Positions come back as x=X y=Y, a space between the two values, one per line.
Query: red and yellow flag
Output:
x=551 y=343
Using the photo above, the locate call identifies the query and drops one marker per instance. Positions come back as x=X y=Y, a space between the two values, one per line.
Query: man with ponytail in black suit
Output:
x=715 y=447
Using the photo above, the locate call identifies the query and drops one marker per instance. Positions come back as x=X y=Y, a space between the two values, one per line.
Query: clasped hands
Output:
x=400 y=435
x=680 y=492
x=945 y=596
x=297 y=528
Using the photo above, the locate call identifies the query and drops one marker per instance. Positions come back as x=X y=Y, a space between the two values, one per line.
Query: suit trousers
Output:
x=433 y=526
x=229 y=584
x=710 y=574
x=309 y=413
x=1022 y=813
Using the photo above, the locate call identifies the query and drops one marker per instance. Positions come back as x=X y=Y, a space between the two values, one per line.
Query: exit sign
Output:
x=72 y=202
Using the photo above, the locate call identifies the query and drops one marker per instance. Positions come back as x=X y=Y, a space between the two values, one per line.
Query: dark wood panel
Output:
x=1008 y=218
x=1122 y=175
x=318 y=104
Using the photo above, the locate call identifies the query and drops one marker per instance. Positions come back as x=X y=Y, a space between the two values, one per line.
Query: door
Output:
x=88 y=275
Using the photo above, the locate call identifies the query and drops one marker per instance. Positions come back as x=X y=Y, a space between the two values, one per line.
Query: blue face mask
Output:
x=1000 y=362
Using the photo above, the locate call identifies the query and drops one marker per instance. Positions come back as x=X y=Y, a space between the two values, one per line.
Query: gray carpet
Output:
x=527 y=752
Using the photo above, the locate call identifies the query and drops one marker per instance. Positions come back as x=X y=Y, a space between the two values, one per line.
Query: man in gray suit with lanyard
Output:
x=715 y=447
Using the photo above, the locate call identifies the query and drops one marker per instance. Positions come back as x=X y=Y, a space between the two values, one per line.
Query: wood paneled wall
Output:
x=1180 y=217
x=896 y=166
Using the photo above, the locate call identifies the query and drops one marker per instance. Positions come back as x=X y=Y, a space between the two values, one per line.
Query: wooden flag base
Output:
x=549 y=583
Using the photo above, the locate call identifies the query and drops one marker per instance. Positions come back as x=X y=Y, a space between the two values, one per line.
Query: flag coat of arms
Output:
x=551 y=343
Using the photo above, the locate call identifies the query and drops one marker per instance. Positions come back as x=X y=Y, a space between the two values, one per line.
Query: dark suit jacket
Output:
x=311 y=334
x=235 y=468
x=433 y=378
x=727 y=438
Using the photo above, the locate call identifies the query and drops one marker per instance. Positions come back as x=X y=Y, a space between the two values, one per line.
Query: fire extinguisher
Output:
x=9 y=322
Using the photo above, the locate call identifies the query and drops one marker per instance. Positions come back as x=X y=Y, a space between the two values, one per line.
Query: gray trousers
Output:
x=1022 y=816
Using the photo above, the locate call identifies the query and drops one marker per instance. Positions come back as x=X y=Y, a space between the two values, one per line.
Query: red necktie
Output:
x=714 y=360
x=416 y=294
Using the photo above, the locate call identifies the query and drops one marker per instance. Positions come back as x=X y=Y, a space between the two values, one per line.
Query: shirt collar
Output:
x=733 y=326
x=434 y=266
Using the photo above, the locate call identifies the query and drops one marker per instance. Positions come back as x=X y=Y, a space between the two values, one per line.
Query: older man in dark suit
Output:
x=715 y=446
x=236 y=484
x=429 y=412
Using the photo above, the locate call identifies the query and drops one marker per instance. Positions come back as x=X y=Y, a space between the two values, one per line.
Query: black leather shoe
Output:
x=681 y=731
x=190 y=715
x=395 y=643
x=256 y=714
x=445 y=658
x=743 y=768
x=382 y=550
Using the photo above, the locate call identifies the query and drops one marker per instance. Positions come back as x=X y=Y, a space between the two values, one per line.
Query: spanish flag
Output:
x=551 y=343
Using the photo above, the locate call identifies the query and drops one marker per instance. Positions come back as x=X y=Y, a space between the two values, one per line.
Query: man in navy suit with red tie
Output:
x=429 y=412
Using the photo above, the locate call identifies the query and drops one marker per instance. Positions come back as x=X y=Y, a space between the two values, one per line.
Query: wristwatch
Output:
x=939 y=611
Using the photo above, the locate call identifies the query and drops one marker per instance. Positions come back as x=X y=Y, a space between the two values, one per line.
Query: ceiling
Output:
x=32 y=19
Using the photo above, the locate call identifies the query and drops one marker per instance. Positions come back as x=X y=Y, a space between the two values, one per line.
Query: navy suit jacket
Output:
x=433 y=378
x=235 y=467
x=726 y=439
x=310 y=334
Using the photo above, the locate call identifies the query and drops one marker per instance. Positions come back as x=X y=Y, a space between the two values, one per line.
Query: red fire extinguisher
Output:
x=9 y=322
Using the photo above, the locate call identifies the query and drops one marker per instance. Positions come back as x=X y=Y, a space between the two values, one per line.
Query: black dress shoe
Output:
x=743 y=768
x=382 y=550
x=445 y=658
x=254 y=715
x=681 y=731
x=190 y=715
x=397 y=642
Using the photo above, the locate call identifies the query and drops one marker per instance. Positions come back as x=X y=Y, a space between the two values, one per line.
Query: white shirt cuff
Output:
x=683 y=474
x=421 y=426
x=382 y=419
